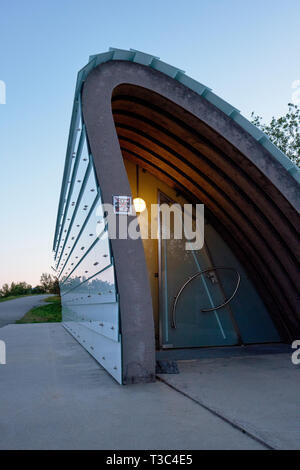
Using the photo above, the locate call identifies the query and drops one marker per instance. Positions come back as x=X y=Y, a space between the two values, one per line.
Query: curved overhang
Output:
x=137 y=107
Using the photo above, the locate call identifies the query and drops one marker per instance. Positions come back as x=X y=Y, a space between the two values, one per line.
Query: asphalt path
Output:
x=13 y=310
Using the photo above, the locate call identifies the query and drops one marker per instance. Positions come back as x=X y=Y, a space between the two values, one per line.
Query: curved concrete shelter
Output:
x=141 y=127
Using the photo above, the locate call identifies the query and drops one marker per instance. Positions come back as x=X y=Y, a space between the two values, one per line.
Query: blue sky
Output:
x=247 y=51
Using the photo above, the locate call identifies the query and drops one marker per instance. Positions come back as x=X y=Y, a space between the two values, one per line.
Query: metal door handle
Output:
x=173 y=322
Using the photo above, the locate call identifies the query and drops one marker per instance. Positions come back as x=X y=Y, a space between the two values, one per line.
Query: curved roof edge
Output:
x=154 y=62
x=133 y=55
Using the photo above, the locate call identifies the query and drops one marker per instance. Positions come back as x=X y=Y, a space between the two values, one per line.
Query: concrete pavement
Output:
x=259 y=393
x=13 y=310
x=54 y=395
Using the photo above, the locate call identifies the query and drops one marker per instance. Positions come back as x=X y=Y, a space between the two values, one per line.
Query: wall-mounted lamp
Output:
x=138 y=202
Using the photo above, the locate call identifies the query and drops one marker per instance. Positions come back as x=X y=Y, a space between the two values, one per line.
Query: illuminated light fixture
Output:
x=138 y=202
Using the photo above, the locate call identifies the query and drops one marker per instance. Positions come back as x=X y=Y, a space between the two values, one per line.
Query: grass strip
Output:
x=44 y=313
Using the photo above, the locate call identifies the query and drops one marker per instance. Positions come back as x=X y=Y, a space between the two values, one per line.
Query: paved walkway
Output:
x=54 y=395
x=258 y=393
x=12 y=310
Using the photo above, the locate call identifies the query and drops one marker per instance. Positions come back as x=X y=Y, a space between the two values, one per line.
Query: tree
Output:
x=46 y=282
x=5 y=290
x=284 y=132
x=55 y=286
x=50 y=283
x=20 y=288
x=38 y=290
x=15 y=289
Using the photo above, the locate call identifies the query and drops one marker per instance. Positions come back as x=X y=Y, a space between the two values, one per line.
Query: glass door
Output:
x=194 y=310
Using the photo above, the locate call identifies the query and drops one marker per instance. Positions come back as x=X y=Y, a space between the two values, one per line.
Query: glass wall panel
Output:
x=78 y=178
x=72 y=159
x=81 y=212
x=98 y=289
x=83 y=260
x=94 y=226
x=96 y=259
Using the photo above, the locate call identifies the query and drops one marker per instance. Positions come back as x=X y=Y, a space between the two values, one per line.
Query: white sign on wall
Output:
x=122 y=205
